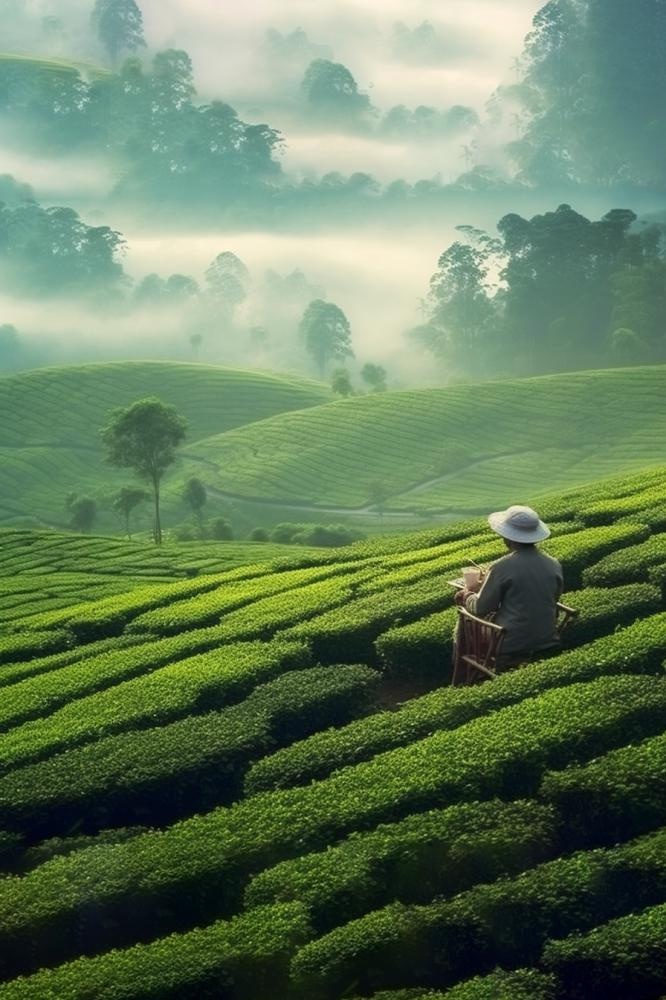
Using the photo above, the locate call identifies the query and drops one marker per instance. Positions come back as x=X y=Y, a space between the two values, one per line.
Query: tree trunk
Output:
x=157 y=533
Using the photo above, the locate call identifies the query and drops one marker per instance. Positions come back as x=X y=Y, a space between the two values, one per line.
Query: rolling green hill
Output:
x=458 y=449
x=50 y=64
x=50 y=421
x=202 y=796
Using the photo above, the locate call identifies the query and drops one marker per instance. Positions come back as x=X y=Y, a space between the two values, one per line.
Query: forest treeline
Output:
x=551 y=293
x=554 y=292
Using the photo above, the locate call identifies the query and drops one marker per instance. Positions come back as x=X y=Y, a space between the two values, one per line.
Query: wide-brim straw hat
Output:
x=519 y=524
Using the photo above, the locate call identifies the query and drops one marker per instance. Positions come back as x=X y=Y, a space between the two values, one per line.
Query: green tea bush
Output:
x=10 y=673
x=640 y=648
x=525 y=984
x=196 y=869
x=159 y=775
x=246 y=958
x=578 y=551
x=613 y=798
x=431 y=853
x=424 y=648
x=190 y=686
x=625 y=958
x=505 y=923
x=17 y=648
x=627 y=564
x=348 y=633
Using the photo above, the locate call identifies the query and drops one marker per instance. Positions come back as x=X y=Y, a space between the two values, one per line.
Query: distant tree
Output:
x=378 y=494
x=119 y=26
x=341 y=382
x=82 y=511
x=144 y=437
x=127 y=499
x=196 y=340
x=331 y=89
x=195 y=496
x=259 y=535
x=374 y=376
x=227 y=281
x=326 y=332
x=221 y=530
x=181 y=288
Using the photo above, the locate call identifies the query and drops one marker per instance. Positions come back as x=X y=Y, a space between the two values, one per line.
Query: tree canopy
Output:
x=144 y=437
x=326 y=334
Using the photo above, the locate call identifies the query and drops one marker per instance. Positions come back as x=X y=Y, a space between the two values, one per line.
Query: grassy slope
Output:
x=50 y=570
x=386 y=564
x=492 y=442
x=50 y=421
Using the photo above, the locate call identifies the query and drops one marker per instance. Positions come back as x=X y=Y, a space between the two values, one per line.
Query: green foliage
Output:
x=487 y=926
x=625 y=957
x=630 y=563
x=613 y=798
x=326 y=334
x=639 y=648
x=245 y=959
x=439 y=852
x=185 y=766
x=119 y=25
x=144 y=437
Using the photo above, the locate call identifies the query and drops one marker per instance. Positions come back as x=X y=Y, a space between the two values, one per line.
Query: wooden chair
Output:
x=565 y=615
x=479 y=644
x=477 y=648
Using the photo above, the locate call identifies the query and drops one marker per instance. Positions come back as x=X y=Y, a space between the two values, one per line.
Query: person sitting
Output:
x=520 y=590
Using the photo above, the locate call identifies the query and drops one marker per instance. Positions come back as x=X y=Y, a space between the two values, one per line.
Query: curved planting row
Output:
x=329 y=854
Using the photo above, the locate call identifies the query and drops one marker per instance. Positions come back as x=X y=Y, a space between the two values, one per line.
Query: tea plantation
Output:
x=459 y=449
x=256 y=782
x=50 y=421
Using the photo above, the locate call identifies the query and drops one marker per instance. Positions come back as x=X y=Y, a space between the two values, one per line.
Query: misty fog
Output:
x=363 y=203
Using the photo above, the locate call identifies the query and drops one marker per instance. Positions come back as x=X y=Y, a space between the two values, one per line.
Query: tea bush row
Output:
x=439 y=852
x=11 y=673
x=628 y=564
x=208 y=608
x=627 y=787
x=625 y=958
x=524 y=984
x=505 y=923
x=189 y=686
x=18 y=648
x=425 y=647
x=196 y=869
x=246 y=958
x=160 y=774
x=640 y=648
x=43 y=693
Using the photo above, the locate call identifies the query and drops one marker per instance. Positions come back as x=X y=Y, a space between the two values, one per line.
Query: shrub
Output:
x=503 y=923
x=244 y=959
x=424 y=648
x=525 y=984
x=432 y=853
x=158 y=775
x=220 y=529
x=195 y=870
x=194 y=685
x=639 y=648
x=18 y=648
x=613 y=798
x=623 y=958
x=259 y=535
x=627 y=564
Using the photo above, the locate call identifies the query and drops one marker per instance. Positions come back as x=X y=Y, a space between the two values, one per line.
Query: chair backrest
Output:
x=480 y=640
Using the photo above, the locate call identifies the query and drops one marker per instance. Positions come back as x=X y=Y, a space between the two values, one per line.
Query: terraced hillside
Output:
x=461 y=449
x=207 y=788
x=50 y=421
x=44 y=570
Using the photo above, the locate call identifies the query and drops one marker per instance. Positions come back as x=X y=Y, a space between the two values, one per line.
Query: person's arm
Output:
x=489 y=597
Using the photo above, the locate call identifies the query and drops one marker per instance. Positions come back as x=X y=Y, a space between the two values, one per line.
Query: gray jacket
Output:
x=522 y=589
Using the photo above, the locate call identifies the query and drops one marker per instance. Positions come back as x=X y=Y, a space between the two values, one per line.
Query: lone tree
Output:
x=119 y=26
x=144 y=437
x=195 y=496
x=374 y=376
x=327 y=334
x=83 y=511
x=126 y=500
x=341 y=383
